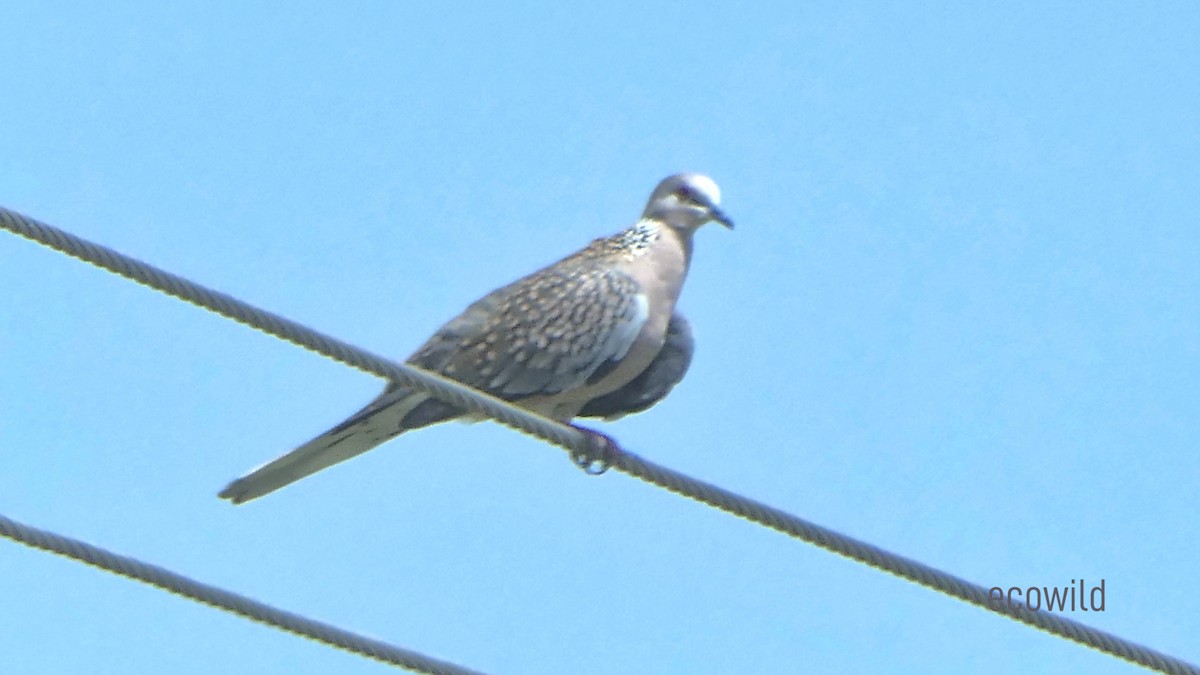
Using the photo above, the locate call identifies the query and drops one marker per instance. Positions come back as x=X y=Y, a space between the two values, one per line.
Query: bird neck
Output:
x=682 y=238
x=642 y=237
x=639 y=237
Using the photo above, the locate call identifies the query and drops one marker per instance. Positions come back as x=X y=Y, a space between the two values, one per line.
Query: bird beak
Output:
x=719 y=216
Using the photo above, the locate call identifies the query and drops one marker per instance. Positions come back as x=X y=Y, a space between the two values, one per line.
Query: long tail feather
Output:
x=379 y=421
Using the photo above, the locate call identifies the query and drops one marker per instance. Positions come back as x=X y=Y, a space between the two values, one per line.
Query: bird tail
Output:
x=379 y=421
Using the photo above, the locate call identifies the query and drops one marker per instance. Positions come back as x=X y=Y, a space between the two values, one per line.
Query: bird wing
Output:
x=545 y=334
x=655 y=382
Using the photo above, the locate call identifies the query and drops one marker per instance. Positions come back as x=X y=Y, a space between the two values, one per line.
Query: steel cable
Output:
x=226 y=600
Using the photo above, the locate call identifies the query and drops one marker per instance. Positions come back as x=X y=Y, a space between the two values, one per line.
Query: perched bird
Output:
x=595 y=334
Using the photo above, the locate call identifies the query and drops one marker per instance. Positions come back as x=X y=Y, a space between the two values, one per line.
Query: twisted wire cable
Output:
x=226 y=600
x=587 y=449
x=298 y=334
x=895 y=564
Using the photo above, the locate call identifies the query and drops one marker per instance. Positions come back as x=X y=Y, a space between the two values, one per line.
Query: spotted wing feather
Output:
x=543 y=335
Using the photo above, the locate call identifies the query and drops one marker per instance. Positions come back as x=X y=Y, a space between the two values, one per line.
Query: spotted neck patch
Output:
x=635 y=240
x=628 y=244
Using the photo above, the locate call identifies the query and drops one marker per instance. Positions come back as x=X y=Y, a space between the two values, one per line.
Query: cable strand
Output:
x=298 y=334
x=226 y=600
x=895 y=564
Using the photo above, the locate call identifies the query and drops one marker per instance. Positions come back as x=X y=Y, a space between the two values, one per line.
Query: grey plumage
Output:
x=595 y=334
x=653 y=384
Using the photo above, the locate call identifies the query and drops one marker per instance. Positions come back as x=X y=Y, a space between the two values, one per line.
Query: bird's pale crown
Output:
x=686 y=200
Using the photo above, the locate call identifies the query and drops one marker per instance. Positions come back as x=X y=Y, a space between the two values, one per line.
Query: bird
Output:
x=596 y=334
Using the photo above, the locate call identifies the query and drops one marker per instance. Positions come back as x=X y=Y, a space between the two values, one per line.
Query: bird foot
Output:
x=599 y=454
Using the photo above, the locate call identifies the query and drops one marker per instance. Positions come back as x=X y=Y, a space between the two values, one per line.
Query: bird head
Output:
x=686 y=201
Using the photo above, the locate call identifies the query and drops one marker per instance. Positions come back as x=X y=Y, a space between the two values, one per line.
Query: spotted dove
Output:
x=594 y=335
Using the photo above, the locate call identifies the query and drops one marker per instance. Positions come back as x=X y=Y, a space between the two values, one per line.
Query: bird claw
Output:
x=598 y=455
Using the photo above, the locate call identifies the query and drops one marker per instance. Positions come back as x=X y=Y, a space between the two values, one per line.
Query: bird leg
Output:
x=599 y=453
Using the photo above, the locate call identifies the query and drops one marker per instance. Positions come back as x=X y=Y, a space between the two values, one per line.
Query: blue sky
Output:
x=958 y=319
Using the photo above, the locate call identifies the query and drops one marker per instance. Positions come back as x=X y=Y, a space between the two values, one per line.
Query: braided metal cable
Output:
x=898 y=565
x=298 y=334
x=226 y=600
x=588 y=450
